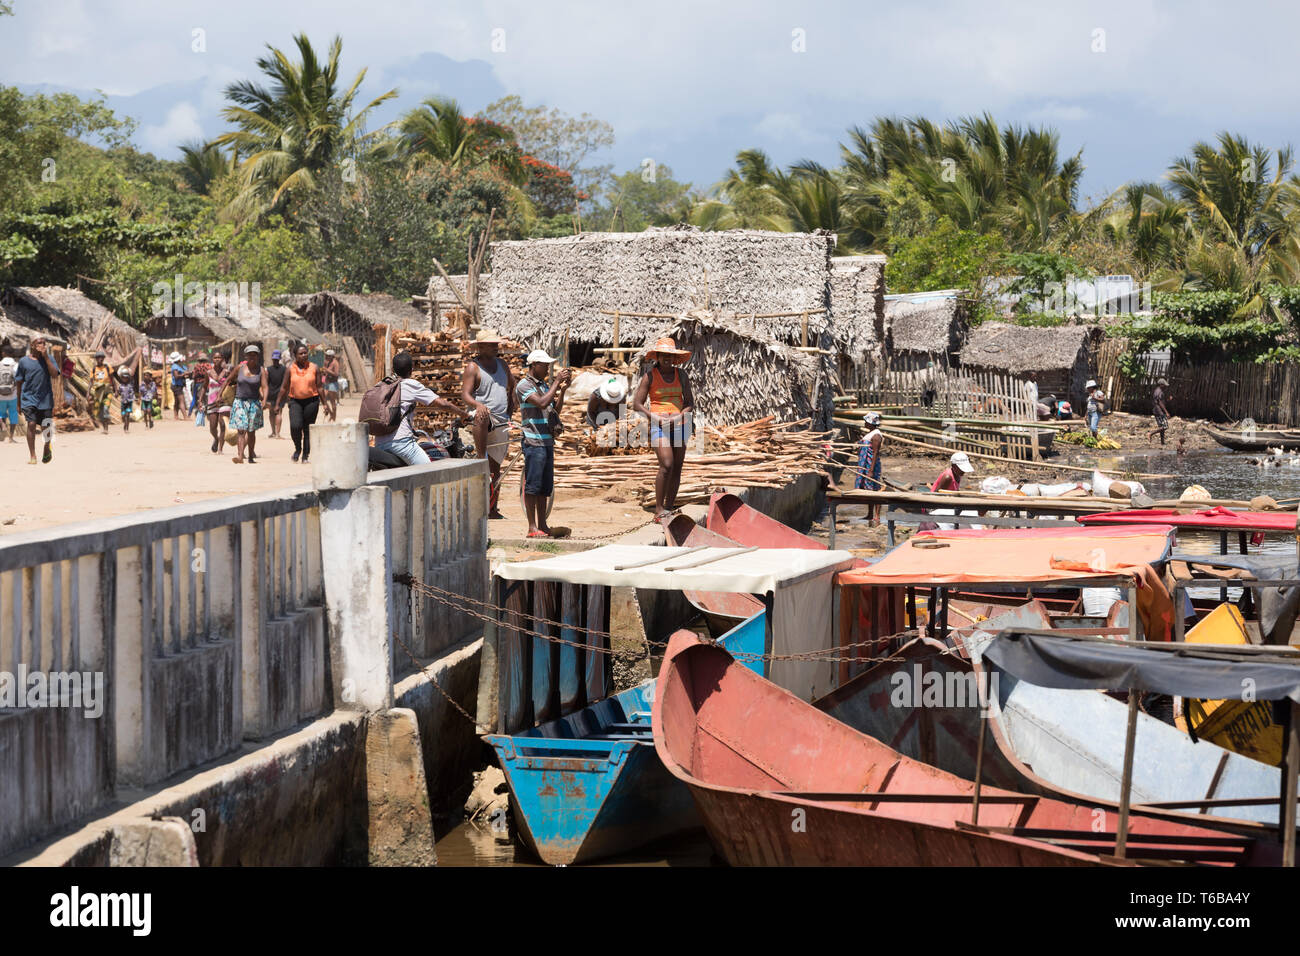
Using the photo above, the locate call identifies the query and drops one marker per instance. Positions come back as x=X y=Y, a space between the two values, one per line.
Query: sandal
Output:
x=48 y=456
x=538 y=534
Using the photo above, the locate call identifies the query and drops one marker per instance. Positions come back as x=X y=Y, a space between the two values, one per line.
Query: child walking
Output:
x=126 y=393
x=148 y=397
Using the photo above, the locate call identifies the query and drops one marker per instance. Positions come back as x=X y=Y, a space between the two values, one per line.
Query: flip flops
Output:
x=538 y=534
x=48 y=456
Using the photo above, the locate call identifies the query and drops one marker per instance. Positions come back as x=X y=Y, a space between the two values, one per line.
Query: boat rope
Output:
x=486 y=612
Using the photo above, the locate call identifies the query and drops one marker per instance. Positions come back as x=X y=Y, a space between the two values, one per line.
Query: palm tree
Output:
x=290 y=133
x=1240 y=200
x=437 y=129
x=202 y=164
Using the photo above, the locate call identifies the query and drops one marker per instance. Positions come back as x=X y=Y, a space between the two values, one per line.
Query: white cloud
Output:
x=182 y=124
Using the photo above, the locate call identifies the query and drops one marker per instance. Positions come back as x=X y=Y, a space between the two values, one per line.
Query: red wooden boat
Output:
x=732 y=518
x=722 y=610
x=780 y=783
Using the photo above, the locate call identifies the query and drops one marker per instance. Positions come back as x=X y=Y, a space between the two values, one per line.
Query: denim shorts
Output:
x=539 y=469
x=675 y=435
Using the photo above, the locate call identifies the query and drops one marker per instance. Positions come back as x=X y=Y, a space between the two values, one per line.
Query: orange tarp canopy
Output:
x=1018 y=555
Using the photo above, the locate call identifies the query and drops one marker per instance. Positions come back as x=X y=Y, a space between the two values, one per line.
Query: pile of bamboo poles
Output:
x=757 y=454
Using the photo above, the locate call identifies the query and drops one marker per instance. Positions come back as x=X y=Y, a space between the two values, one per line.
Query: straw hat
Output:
x=487 y=336
x=667 y=347
x=613 y=389
x=962 y=461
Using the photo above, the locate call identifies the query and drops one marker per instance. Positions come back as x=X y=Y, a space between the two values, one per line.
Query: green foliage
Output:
x=944 y=258
x=272 y=254
x=564 y=141
x=638 y=199
x=1200 y=308
x=1239 y=340
x=379 y=233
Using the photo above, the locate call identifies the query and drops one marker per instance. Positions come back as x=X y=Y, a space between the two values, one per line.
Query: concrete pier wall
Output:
x=204 y=627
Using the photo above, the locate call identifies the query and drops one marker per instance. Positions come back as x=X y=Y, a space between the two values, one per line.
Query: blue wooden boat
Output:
x=584 y=777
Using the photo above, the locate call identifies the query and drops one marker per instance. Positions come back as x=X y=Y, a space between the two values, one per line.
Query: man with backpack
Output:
x=8 y=392
x=386 y=411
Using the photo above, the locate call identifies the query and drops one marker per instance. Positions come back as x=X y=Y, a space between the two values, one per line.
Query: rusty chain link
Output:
x=462 y=603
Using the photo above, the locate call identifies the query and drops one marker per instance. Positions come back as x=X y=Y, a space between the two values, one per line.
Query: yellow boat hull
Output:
x=1242 y=726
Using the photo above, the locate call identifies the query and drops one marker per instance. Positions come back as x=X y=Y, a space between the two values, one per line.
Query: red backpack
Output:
x=381 y=406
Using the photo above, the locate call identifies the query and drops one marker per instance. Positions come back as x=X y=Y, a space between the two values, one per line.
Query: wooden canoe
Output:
x=1255 y=439
x=778 y=782
x=722 y=610
x=733 y=519
x=1066 y=744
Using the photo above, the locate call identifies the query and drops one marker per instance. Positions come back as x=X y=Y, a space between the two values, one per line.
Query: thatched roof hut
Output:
x=19 y=324
x=83 y=322
x=217 y=320
x=924 y=326
x=857 y=286
x=541 y=287
x=739 y=374
x=355 y=316
x=1061 y=358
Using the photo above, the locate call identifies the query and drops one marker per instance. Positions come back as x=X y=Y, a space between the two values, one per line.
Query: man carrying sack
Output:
x=488 y=390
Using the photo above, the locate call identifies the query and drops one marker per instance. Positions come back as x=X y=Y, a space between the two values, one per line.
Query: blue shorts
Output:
x=539 y=469
x=675 y=435
x=9 y=410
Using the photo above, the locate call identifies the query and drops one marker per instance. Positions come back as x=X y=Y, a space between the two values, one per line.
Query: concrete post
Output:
x=356 y=541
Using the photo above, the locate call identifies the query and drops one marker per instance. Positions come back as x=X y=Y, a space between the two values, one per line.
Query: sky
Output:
x=689 y=83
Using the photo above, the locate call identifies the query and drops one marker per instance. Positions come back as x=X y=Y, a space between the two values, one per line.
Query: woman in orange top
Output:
x=664 y=397
x=301 y=389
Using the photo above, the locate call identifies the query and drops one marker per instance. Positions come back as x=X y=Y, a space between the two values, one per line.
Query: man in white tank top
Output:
x=488 y=390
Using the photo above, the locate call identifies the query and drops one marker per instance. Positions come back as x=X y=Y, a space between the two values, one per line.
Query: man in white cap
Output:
x=487 y=387
x=536 y=401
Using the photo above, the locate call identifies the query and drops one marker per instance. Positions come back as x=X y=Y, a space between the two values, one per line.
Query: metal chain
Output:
x=461 y=603
x=426 y=670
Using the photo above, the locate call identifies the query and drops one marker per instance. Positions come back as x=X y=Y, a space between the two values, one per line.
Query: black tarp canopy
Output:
x=1182 y=670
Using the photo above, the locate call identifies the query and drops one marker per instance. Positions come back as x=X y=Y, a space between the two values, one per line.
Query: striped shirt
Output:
x=532 y=419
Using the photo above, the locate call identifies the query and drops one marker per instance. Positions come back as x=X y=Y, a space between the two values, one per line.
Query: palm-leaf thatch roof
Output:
x=364 y=311
x=82 y=319
x=1018 y=348
x=231 y=318
x=858 y=305
x=541 y=287
x=924 y=323
x=739 y=374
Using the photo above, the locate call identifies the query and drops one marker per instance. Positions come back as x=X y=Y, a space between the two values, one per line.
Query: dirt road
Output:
x=94 y=475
